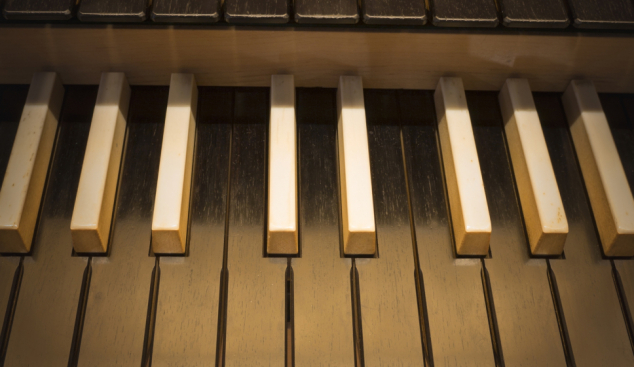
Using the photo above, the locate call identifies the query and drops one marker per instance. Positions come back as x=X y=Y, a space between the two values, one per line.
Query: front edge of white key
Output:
x=282 y=236
x=23 y=184
x=543 y=210
x=357 y=205
x=171 y=206
x=467 y=200
x=610 y=196
x=94 y=203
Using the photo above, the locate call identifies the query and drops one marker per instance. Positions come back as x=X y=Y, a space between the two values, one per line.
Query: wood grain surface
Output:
x=226 y=56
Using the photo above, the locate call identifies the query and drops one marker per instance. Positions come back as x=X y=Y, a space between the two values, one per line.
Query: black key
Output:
x=394 y=12
x=39 y=9
x=464 y=13
x=186 y=11
x=602 y=13
x=326 y=11
x=534 y=13
x=113 y=10
x=256 y=11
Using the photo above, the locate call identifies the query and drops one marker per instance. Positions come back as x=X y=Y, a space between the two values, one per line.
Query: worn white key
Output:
x=92 y=215
x=25 y=176
x=544 y=214
x=171 y=206
x=467 y=200
x=282 y=219
x=606 y=183
x=357 y=208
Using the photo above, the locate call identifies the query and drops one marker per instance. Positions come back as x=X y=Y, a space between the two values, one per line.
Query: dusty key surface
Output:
x=610 y=195
x=26 y=171
x=355 y=183
x=92 y=216
x=544 y=213
x=282 y=187
x=467 y=200
x=171 y=205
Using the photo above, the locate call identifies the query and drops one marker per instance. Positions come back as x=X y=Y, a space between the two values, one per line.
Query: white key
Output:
x=171 y=206
x=359 y=233
x=467 y=200
x=25 y=176
x=543 y=210
x=282 y=220
x=92 y=215
x=606 y=183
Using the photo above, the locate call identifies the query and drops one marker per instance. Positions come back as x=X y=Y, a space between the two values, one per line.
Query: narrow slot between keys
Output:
x=493 y=323
x=561 y=320
x=627 y=316
x=8 y=316
x=81 y=313
x=148 y=341
x=290 y=316
x=224 y=276
x=357 y=328
x=418 y=274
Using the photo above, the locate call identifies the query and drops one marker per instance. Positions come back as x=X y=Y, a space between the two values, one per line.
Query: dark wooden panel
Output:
x=256 y=11
x=326 y=11
x=113 y=10
x=464 y=13
x=602 y=13
x=39 y=9
x=186 y=11
x=394 y=12
x=534 y=13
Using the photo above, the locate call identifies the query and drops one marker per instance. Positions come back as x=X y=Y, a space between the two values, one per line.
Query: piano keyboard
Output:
x=248 y=226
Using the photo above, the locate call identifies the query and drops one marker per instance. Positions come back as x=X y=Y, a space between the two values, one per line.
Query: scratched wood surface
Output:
x=326 y=11
x=464 y=13
x=394 y=12
x=602 y=14
x=38 y=9
x=534 y=13
x=188 y=11
x=113 y=10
